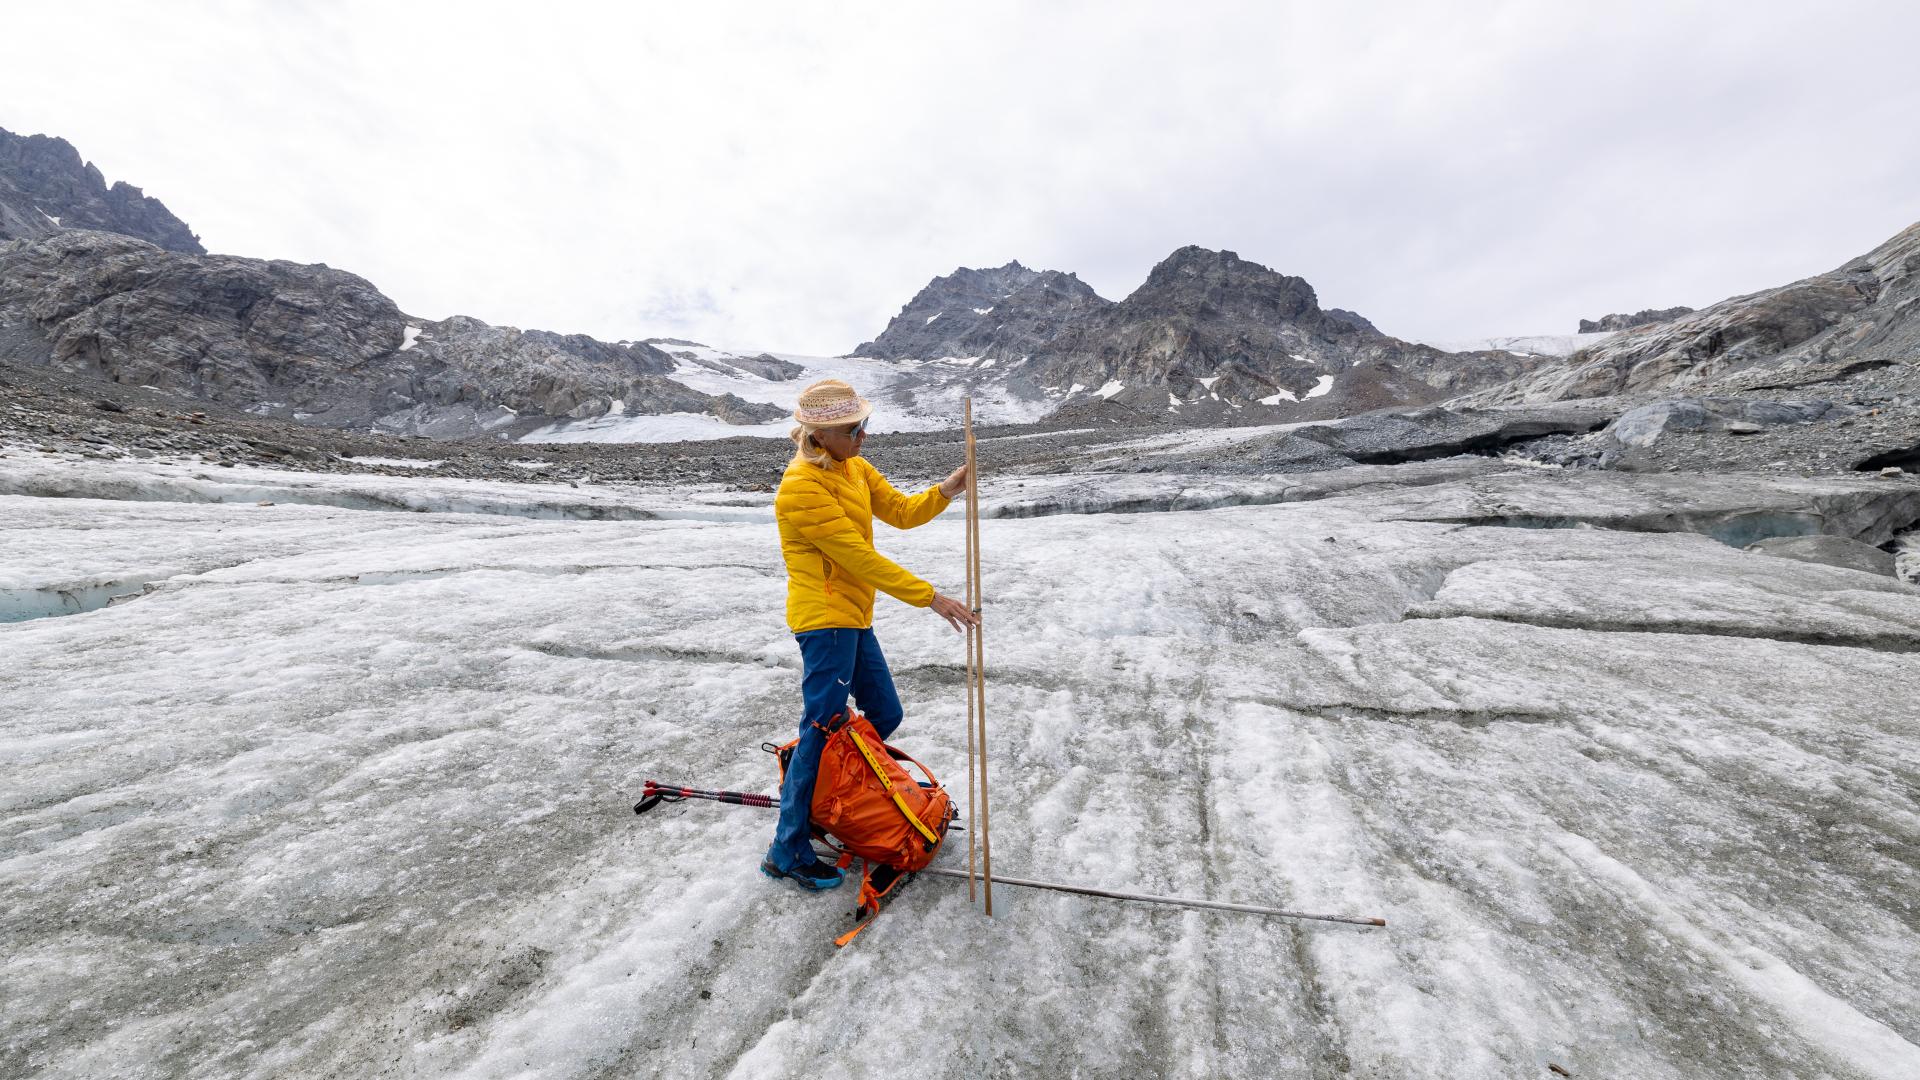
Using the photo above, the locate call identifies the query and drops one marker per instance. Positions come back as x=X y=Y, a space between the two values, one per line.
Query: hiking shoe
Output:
x=817 y=876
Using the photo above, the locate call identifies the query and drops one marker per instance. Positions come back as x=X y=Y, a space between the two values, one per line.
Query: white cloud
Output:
x=786 y=176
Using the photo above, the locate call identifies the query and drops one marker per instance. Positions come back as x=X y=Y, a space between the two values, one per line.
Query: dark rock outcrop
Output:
x=312 y=344
x=1435 y=432
x=1627 y=322
x=46 y=187
x=769 y=366
x=1643 y=424
x=1354 y=319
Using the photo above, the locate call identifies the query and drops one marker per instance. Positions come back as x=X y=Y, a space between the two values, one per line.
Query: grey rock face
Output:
x=1425 y=434
x=1830 y=551
x=311 y=344
x=46 y=187
x=1627 y=322
x=1860 y=315
x=1642 y=425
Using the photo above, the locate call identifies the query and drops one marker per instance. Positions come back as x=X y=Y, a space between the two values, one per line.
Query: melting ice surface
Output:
x=347 y=793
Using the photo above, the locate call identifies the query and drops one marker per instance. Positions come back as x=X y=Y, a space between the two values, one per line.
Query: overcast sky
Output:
x=787 y=175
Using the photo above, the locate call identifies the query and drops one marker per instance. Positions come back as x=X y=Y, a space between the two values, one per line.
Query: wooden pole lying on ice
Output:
x=1179 y=901
x=976 y=682
x=656 y=793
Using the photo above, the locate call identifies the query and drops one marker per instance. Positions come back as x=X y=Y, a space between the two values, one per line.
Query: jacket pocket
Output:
x=826 y=575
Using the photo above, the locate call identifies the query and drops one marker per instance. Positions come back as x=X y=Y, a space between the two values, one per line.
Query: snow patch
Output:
x=658 y=428
x=1112 y=387
x=1320 y=386
x=398 y=463
x=983 y=311
x=932 y=317
x=409 y=338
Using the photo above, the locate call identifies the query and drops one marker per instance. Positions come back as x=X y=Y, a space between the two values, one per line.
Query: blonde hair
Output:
x=805 y=449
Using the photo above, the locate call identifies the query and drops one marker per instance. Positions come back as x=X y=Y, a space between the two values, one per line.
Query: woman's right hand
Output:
x=954 y=612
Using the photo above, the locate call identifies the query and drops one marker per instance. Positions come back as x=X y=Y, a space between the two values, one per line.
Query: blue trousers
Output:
x=836 y=663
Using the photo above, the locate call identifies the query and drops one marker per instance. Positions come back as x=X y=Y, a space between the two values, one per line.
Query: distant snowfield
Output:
x=1535 y=344
x=341 y=792
x=657 y=428
x=908 y=395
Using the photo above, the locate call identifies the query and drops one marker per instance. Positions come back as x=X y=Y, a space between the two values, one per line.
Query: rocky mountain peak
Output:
x=1003 y=312
x=1208 y=337
x=45 y=186
x=1198 y=279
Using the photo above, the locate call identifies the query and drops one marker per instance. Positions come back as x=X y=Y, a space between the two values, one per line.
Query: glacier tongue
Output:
x=347 y=792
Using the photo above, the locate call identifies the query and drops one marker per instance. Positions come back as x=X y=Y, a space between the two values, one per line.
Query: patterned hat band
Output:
x=829 y=402
x=827 y=414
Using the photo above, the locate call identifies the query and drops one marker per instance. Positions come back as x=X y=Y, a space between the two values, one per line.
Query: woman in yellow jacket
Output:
x=827 y=501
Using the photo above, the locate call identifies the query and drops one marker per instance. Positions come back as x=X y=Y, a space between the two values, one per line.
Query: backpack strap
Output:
x=898 y=754
x=874 y=764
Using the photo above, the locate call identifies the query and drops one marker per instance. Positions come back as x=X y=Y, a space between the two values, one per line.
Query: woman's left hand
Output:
x=955 y=483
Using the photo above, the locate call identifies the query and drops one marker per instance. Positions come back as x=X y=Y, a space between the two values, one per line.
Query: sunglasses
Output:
x=859 y=429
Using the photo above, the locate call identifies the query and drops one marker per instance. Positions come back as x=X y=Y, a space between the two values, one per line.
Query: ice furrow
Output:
x=1888 y=642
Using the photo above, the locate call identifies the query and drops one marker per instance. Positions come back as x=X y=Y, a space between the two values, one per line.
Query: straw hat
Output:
x=830 y=403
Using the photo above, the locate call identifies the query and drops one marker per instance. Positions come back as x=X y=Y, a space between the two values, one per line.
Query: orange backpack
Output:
x=872 y=809
x=866 y=802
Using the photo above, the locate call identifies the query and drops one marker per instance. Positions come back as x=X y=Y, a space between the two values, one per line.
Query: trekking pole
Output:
x=977 y=639
x=653 y=794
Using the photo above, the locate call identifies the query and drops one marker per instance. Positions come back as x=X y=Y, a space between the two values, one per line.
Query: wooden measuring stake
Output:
x=972 y=760
x=977 y=639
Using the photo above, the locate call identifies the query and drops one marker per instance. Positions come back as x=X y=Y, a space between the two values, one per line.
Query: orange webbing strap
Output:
x=869 y=901
x=874 y=764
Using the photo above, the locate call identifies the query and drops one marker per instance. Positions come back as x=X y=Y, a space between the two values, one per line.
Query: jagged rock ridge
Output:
x=312 y=344
x=106 y=282
x=1863 y=314
x=1618 y=321
x=45 y=186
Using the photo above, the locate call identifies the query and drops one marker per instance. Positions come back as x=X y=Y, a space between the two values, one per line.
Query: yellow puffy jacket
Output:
x=826 y=534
